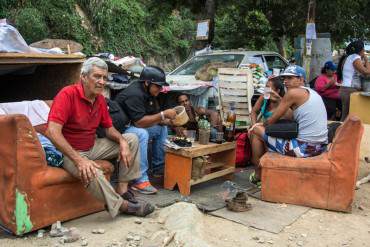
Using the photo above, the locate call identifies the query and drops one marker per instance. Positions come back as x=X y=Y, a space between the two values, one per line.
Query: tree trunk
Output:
x=210 y=7
x=281 y=45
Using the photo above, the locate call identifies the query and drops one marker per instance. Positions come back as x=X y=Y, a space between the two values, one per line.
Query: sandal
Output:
x=140 y=209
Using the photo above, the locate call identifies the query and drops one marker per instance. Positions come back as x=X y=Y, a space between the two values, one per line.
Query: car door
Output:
x=274 y=61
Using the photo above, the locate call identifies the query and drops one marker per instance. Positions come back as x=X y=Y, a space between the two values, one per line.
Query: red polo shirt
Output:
x=79 y=117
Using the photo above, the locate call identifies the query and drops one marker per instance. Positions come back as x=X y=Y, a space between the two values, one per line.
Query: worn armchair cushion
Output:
x=32 y=194
x=324 y=181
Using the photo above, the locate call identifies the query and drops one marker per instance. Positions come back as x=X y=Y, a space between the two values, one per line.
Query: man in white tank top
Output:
x=308 y=111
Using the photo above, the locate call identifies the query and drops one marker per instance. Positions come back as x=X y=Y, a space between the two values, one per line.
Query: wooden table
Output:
x=178 y=164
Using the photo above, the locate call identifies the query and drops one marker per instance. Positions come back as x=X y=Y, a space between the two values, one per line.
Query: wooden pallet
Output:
x=236 y=85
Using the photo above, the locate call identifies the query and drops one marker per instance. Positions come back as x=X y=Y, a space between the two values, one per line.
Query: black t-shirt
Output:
x=136 y=102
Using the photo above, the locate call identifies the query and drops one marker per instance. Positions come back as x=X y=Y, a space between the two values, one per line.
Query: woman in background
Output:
x=352 y=66
x=327 y=86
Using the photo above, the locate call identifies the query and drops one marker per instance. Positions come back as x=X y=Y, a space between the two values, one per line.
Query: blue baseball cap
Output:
x=330 y=65
x=294 y=70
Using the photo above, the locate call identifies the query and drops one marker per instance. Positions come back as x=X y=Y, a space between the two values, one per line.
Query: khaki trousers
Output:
x=100 y=187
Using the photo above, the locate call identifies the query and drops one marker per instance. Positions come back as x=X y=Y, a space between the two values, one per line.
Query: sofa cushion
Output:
x=316 y=165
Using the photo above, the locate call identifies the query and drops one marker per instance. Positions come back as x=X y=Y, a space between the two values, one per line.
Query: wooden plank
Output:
x=237 y=105
x=229 y=78
x=213 y=175
x=39 y=55
x=234 y=71
x=215 y=165
x=243 y=118
x=236 y=92
x=240 y=99
x=235 y=85
x=28 y=58
x=199 y=150
x=237 y=111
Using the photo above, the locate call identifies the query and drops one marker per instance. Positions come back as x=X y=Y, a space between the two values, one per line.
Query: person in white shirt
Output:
x=352 y=66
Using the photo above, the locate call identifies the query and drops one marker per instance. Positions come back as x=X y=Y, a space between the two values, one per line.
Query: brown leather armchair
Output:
x=325 y=181
x=32 y=194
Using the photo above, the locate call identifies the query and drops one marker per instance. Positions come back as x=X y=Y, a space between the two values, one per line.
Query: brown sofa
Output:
x=325 y=181
x=32 y=194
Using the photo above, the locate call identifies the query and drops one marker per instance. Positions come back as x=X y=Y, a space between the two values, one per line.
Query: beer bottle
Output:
x=230 y=123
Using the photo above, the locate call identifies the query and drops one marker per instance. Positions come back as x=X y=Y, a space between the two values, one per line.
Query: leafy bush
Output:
x=234 y=29
x=31 y=25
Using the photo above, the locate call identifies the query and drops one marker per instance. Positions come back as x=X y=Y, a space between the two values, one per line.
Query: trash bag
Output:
x=12 y=41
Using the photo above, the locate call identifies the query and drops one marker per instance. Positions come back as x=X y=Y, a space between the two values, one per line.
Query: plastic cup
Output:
x=190 y=134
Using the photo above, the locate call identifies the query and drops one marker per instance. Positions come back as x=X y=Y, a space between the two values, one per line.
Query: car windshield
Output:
x=191 y=67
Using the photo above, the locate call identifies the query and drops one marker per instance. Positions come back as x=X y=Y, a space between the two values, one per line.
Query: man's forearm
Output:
x=114 y=135
x=149 y=120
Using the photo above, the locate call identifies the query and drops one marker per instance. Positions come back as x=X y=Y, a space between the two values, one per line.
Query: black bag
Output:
x=283 y=128
x=120 y=119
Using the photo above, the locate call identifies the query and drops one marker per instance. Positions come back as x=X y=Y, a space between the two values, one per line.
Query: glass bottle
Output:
x=230 y=123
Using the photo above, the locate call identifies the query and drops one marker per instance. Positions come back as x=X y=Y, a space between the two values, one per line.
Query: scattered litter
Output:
x=300 y=243
x=84 y=243
x=57 y=230
x=261 y=241
x=168 y=239
x=71 y=236
x=304 y=235
x=98 y=231
x=270 y=242
x=360 y=207
x=138 y=221
x=40 y=233
x=256 y=238
x=129 y=237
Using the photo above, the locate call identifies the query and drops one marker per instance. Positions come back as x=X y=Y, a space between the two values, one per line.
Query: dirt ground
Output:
x=314 y=228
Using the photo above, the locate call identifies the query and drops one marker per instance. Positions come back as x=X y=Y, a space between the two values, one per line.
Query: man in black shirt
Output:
x=147 y=120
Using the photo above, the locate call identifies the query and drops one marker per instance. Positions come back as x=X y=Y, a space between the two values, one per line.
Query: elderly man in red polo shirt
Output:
x=76 y=113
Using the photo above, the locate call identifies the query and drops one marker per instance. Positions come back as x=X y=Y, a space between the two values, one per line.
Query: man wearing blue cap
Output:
x=308 y=111
x=326 y=85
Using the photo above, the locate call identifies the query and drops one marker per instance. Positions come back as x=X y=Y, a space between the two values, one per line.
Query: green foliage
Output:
x=31 y=25
x=235 y=29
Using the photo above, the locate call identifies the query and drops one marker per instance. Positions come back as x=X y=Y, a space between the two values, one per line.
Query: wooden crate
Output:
x=236 y=85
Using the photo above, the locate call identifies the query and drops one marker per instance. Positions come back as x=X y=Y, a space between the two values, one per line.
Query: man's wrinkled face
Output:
x=293 y=81
x=184 y=100
x=95 y=81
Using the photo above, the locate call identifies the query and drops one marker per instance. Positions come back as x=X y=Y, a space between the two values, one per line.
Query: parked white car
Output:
x=185 y=73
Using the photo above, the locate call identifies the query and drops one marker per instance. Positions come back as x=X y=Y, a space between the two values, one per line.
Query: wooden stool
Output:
x=178 y=164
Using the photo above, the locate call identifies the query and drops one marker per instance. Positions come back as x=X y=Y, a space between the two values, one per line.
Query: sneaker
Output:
x=144 y=188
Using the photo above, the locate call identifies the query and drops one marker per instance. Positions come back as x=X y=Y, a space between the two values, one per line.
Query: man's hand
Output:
x=169 y=113
x=87 y=170
x=124 y=153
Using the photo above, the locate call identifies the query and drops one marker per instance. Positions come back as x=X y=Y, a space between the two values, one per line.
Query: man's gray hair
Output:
x=90 y=63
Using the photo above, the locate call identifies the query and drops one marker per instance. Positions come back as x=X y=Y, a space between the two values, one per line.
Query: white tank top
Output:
x=312 y=119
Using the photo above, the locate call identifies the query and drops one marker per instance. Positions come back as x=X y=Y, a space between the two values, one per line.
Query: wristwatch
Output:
x=162 y=116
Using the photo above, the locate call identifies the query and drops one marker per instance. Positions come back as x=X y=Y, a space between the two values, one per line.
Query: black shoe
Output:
x=129 y=196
